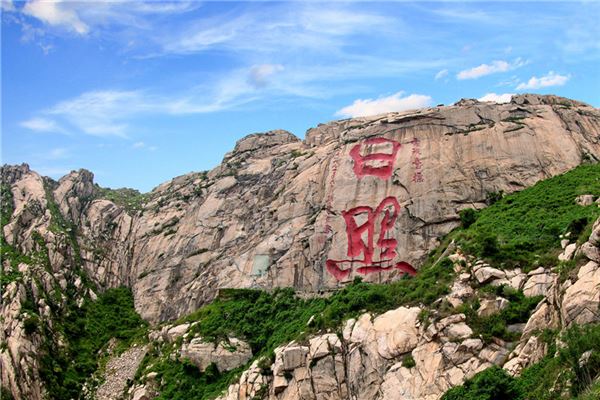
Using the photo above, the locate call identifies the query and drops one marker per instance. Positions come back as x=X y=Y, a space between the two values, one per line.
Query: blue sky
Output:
x=140 y=92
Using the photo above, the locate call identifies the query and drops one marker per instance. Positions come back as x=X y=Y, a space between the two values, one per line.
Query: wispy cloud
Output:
x=497 y=98
x=550 y=79
x=56 y=13
x=81 y=18
x=40 y=124
x=143 y=145
x=278 y=30
x=441 y=74
x=395 y=102
x=487 y=69
x=260 y=74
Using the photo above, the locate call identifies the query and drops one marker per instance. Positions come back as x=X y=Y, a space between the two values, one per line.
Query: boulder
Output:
x=492 y=306
x=225 y=355
x=581 y=300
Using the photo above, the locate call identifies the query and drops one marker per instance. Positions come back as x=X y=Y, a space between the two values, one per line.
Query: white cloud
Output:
x=497 y=98
x=282 y=29
x=487 y=69
x=442 y=74
x=57 y=154
x=39 y=124
x=550 y=79
x=260 y=74
x=395 y=102
x=7 y=5
x=56 y=13
x=143 y=145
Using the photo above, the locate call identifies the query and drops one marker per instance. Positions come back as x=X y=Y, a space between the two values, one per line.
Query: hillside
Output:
x=368 y=244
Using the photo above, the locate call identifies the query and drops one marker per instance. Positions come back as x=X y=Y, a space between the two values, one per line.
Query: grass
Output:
x=520 y=228
x=86 y=330
x=496 y=325
x=559 y=375
x=130 y=199
x=267 y=320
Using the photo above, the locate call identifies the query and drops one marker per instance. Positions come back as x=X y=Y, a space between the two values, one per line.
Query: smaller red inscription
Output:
x=416 y=152
x=378 y=164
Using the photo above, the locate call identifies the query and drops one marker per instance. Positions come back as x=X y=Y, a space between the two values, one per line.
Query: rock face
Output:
x=283 y=212
x=365 y=197
x=225 y=355
x=367 y=362
x=397 y=356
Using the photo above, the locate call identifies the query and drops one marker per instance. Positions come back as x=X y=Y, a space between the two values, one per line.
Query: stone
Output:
x=564 y=243
x=225 y=355
x=175 y=332
x=567 y=254
x=395 y=331
x=524 y=355
x=581 y=300
x=458 y=331
x=517 y=281
x=590 y=251
x=544 y=316
x=492 y=306
x=486 y=274
x=585 y=200
x=324 y=345
x=294 y=357
x=118 y=371
x=538 y=284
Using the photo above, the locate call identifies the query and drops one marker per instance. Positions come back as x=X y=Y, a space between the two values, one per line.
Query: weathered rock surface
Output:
x=270 y=214
x=283 y=212
x=225 y=355
x=368 y=360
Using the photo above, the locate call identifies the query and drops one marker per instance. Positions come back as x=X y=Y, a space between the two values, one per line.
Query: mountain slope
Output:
x=366 y=198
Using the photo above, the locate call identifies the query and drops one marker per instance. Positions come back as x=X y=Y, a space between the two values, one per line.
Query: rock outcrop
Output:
x=282 y=212
x=398 y=355
x=365 y=197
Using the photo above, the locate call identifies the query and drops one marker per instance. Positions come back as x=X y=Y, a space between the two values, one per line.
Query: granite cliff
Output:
x=367 y=197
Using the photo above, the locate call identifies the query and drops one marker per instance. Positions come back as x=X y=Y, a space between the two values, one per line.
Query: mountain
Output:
x=369 y=199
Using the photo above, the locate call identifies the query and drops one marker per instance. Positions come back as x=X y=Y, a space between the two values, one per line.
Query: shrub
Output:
x=31 y=324
x=558 y=375
x=491 y=384
x=408 y=361
x=468 y=217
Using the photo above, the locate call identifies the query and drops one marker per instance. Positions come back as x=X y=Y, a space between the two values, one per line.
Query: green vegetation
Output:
x=130 y=199
x=408 y=361
x=86 y=330
x=560 y=375
x=496 y=325
x=267 y=320
x=520 y=228
x=492 y=384
x=184 y=380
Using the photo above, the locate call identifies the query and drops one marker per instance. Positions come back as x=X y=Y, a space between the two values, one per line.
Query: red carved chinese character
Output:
x=388 y=211
x=375 y=164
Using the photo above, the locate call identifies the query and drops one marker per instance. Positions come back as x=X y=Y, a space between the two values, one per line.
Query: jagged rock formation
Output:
x=368 y=196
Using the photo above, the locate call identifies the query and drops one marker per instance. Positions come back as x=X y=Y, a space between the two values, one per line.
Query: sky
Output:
x=141 y=92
